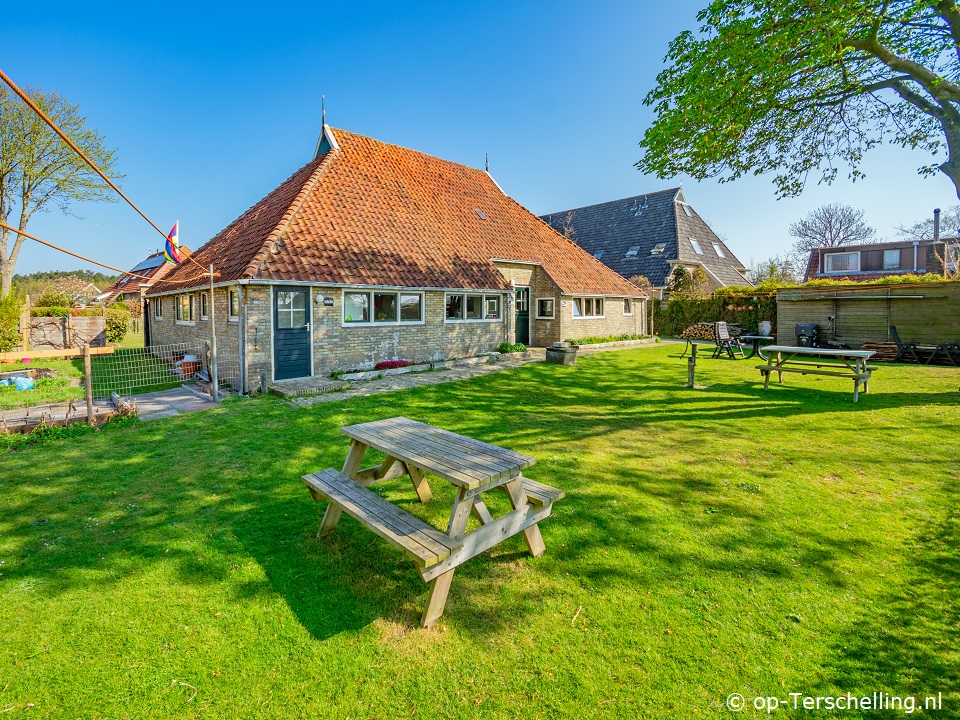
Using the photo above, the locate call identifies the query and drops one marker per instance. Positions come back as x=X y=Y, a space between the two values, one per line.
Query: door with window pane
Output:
x=291 y=333
x=523 y=315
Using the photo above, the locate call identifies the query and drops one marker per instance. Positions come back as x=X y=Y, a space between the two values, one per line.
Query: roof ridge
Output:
x=407 y=149
x=269 y=243
x=611 y=202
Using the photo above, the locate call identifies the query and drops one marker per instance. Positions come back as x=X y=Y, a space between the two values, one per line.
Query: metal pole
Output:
x=88 y=384
x=215 y=389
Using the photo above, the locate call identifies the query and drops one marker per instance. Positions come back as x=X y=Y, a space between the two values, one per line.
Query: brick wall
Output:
x=167 y=331
x=614 y=322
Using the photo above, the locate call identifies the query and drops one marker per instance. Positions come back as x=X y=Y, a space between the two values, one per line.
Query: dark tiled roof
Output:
x=645 y=222
x=371 y=213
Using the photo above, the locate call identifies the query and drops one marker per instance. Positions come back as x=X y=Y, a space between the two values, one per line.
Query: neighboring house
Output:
x=649 y=235
x=143 y=276
x=862 y=263
x=374 y=252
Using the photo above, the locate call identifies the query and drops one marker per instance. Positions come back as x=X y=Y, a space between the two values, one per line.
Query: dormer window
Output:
x=658 y=249
x=632 y=252
x=696 y=246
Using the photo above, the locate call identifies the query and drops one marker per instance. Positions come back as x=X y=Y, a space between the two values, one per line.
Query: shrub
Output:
x=605 y=339
x=506 y=347
x=51 y=311
x=10 y=308
x=9 y=339
x=54 y=298
x=118 y=322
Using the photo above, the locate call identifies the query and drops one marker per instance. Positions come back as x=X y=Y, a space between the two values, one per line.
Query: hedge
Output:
x=744 y=308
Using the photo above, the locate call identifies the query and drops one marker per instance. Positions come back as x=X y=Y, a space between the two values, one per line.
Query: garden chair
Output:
x=910 y=349
x=726 y=341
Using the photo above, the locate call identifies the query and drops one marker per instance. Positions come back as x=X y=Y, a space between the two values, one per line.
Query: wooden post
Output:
x=25 y=324
x=88 y=383
x=215 y=389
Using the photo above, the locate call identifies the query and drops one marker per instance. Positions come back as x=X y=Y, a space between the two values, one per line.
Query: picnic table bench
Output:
x=472 y=467
x=851 y=364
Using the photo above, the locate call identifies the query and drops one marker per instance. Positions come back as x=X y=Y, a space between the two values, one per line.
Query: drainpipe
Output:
x=242 y=331
x=916 y=250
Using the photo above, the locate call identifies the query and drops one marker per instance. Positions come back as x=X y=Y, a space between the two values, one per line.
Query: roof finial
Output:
x=488 y=162
x=323 y=110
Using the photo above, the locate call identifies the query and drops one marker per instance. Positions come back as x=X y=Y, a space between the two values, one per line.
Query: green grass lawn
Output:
x=711 y=542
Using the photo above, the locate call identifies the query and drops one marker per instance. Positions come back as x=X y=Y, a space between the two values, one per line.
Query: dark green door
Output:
x=291 y=333
x=523 y=315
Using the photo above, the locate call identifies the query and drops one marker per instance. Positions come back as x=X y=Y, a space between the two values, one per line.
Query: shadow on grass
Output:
x=206 y=495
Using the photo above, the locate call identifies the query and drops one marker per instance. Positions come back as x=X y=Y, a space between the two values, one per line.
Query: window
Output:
x=204 y=306
x=158 y=308
x=234 y=305
x=687 y=209
x=411 y=308
x=384 y=307
x=891 y=259
x=632 y=252
x=587 y=307
x=473 y=307
x=696 y=246
x=367 y=307
x=291 y=309
x=185 y=308
x=598 y=254
x=718 y=250
x=545 y=308
x=841 y=262
x=658 y=249
x=627 y=307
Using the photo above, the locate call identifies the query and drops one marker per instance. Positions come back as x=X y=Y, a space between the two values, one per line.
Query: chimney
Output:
x=936 y=225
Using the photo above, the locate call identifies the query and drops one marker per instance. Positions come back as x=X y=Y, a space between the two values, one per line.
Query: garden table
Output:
x=755 y=341
x=472 y=467
x=851 y=364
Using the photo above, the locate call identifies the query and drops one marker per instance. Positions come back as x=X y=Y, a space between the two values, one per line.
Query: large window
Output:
x=185 y=308
x=545 y=308
x=587 y=307
x=841 y=262
x=472 y=307
x=368 y=307
x=891 y=259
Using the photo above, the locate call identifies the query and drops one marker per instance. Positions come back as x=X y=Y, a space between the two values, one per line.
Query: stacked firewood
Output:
x=700 y=331
x=883 y=351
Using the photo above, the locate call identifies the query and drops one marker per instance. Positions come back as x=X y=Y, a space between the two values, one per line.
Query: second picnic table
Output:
x=471 y=466
x=851 y=364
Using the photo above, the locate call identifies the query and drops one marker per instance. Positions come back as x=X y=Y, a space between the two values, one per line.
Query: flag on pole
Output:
x=172 y=250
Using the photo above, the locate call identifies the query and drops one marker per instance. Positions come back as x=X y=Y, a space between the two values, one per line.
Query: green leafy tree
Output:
x=118 y=322
x=795 y=87
x=39 y=171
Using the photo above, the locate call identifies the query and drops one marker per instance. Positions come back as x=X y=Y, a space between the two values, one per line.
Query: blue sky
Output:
x=212 y=106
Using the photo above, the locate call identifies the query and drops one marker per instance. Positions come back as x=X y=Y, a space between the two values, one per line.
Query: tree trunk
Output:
x=951 y=167
x=6 y=277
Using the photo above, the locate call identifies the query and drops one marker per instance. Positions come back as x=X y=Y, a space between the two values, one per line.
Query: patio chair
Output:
x=910 y=349
x=726 y=341
x=949 y=351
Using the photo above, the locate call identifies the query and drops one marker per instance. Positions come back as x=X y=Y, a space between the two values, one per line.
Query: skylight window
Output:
x=716 y=246
x=481 y=215
x=598 y=254
x=632 y=252
x=696 y=247
x=658 y=249
x=687 y=209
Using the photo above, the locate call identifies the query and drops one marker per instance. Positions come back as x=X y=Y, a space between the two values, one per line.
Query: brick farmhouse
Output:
x=374 y=252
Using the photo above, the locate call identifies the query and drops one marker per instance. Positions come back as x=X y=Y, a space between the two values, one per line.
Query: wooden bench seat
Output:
x=538 y=494
x=851 y=375
x=426 y=545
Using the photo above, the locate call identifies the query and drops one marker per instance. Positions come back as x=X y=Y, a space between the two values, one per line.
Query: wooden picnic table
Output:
x=851 y=364
x=472 y=467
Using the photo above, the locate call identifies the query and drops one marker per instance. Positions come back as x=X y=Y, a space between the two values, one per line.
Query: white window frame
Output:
x=695 y=244
x=373 y=322
x=827 y=262
x=158 y=308
x=190 y=309
x=231 y=294
x=553 y=308
x=579 y=306
x=718 y=250
x=889 y=254
x=205 y=306
x=484 y=297
x=627 y=307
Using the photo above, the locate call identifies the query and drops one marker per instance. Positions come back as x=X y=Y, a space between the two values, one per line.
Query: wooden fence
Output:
x=924 y=312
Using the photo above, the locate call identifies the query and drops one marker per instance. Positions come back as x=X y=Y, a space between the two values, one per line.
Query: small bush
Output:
x=607 y=338
x=506 y=347
x=118 y=322
x=9 y=339
x=54 y=298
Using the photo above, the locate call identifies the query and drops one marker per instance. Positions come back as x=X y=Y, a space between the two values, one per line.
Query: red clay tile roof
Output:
x=371 y=213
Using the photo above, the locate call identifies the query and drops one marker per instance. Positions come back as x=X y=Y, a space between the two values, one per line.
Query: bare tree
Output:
x=923 y=230
x=38 y=170
x=777 y=270
x=831 y=225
